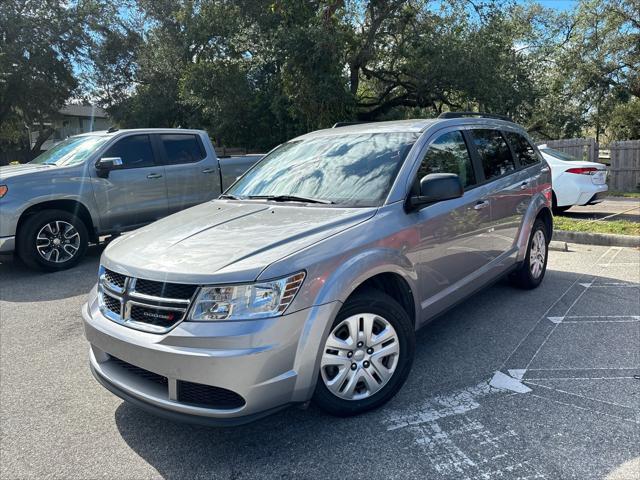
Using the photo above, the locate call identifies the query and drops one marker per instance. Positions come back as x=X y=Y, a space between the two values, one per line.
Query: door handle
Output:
x=544 y=170
x=481 y=204
x=209 y=170
x=154 y=175
x=523 y=185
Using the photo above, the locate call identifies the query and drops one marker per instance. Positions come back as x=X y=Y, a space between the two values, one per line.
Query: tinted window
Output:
x=522 y=148
x=347 y=169
x=181 y=148
x=494 y=153
x=135 y=151
x=448 y=154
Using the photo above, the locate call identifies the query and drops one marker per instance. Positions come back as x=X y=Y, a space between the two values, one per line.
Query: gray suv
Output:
x=308 y=278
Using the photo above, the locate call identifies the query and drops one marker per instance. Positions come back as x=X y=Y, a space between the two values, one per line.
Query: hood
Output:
x=225 y=241
x=11 y=171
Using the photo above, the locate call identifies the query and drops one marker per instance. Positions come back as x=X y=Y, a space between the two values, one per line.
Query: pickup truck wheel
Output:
x=52 y=240
x=366 y=357
x=530 y=274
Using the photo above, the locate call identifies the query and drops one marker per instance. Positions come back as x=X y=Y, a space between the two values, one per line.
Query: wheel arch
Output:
x=387 y=270
x=73 y=207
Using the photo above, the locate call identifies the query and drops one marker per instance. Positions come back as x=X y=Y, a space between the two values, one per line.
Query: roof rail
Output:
x=474 y=114
x=346 y=124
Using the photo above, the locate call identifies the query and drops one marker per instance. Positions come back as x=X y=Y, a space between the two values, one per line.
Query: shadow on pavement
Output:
x=21 y=284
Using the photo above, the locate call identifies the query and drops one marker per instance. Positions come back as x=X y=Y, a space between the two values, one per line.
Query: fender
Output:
x=538 y=203
x=348 y=276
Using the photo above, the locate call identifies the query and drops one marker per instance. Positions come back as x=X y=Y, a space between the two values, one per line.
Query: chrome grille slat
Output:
x=129 y=307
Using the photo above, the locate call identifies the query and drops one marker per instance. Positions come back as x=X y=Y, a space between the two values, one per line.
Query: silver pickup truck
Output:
x=104 y=183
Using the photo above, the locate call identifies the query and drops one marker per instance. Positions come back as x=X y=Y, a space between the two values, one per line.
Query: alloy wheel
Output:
x=359 y=356
x=58 y=241
x=537 y=254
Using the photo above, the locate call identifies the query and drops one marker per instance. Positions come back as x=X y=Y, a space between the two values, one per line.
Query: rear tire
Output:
x=374 y=319
x=530 y=273
x=52 y=240
x=556 y=209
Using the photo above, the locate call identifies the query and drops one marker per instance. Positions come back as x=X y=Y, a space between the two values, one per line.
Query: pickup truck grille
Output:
x=142 y=304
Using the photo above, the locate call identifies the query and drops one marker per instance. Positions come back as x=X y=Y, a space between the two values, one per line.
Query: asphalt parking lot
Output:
x=509 y=385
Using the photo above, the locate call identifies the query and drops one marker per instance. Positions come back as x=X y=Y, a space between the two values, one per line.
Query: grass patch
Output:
x=623 y=194
x=618 y=227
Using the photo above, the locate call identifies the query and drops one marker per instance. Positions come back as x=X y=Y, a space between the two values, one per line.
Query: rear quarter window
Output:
x=523 y=150
x=181 y=148
x=494 y=153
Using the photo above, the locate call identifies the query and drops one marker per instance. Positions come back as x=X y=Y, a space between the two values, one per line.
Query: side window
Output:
x=448 y=154
x=181 y=148
x=522 y=148
x=494 y=153
x=135 y=151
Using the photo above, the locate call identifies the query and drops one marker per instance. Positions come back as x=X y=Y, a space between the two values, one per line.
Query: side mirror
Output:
x=106 y=164
x=437 y=187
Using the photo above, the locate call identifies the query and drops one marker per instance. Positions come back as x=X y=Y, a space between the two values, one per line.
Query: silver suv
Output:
x=308 y=278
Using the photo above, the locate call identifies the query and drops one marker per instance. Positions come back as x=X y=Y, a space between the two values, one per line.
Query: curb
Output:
x=606 y=239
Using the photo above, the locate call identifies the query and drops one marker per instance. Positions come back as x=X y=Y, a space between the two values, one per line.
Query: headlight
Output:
x=246 y=302
x=3 y=190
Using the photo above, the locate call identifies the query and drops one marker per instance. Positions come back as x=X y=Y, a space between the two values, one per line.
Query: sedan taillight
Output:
x=583 y=170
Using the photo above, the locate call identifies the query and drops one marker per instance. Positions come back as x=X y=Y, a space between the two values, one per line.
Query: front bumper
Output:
x=270 y=363
x=7 y=244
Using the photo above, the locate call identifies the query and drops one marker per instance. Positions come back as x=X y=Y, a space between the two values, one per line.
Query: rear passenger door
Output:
x=452 y=243
x=509 y=188
x=192 y=173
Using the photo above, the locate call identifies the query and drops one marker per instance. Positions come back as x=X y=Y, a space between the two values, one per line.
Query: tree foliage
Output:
x=255 y=73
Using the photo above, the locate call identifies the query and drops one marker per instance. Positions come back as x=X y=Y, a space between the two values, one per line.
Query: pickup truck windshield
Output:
x=71 y=151
x=345 y=169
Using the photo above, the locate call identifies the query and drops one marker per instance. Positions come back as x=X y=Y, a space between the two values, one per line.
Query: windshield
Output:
x=560 y=155
x=350 y=170
x=71 y=151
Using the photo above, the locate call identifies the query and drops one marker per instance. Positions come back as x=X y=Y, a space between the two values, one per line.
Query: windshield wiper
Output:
x=290 y=198
x=229 y=196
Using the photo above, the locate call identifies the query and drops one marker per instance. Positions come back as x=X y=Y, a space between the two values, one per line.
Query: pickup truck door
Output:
x=193 y=174
x=135 y=193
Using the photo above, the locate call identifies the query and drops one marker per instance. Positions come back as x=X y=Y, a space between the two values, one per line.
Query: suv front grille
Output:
x=166 y=290
x=115 y=279
x=112 y=304
x=142 y=304
x=201 y=395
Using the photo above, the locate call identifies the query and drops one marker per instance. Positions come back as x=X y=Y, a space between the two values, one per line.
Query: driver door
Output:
x=135 y=193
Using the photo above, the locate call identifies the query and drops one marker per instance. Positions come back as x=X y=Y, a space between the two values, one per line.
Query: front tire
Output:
x=52 y=240
x=366 y=357
x=531 y=272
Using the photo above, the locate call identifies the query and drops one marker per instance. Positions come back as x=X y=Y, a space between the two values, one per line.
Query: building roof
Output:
x=83 y=111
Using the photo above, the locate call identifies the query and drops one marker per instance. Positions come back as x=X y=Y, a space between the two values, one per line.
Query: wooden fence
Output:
x=624 y=172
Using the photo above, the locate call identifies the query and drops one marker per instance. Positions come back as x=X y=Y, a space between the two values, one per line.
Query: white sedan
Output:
x=575 y=182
